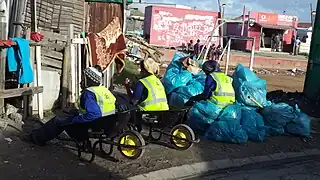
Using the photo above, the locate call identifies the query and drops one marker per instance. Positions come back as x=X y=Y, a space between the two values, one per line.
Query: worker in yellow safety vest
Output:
x=218 y=86
x=149 y=93
x=96 y=101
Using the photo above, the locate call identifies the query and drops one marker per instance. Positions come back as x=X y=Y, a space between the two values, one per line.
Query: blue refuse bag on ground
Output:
x=194 y=87
x=247 y=84
x=180 y=84
x=278 y=115
x=175 y=76
x=202 y=114
x=301 y=125
x=227 y=127
x=252 y=123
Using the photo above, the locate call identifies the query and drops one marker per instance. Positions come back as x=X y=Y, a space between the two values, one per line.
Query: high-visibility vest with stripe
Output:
x=224 y=94
x=105 y=99
x=156 y=99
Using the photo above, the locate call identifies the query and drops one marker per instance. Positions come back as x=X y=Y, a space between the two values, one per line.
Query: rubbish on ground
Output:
x=252 y=117
x=181 y=84
x=301 y=125
x=227 y=128
x=139 y=49
x=253 y=124
x=203 y=114
x=278 y=115
x=247 y=84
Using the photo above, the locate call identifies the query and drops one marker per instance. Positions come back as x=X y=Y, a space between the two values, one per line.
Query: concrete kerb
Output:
x=180 y=172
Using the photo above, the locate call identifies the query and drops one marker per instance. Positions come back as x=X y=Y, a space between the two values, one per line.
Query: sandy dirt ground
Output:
x=287 y=83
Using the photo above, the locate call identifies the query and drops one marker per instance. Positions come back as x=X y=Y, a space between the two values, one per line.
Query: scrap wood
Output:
x=139 y=41
x=144 y=51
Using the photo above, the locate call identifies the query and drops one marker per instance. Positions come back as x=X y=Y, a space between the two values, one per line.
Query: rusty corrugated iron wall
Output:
x=101 y=14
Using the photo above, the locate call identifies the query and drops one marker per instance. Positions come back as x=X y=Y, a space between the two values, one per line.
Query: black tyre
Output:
x=185 y=132
x=131 y=138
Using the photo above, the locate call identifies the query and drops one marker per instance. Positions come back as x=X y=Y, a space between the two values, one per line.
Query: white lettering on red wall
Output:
x=177 y=27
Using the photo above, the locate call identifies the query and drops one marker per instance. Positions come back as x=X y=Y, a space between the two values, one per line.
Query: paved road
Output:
x=302 y=169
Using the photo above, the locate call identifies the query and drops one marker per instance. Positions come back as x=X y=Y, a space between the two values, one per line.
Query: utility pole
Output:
x=312 y=83
x=311 y=14
x=243 y=20
x=221 y=12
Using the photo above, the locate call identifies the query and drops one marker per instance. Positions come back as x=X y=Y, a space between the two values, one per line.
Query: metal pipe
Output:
x=252 y=54
x=228 y=56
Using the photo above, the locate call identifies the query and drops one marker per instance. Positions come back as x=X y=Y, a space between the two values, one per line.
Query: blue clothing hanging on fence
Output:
x=19 y=60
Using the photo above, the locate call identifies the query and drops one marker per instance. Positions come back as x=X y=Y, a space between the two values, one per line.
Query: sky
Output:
x=300 y=8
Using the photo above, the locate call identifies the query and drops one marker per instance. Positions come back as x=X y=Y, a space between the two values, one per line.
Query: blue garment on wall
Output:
x=19 y=60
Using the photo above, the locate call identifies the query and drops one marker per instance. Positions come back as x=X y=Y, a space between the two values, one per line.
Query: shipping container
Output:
x=170 y=27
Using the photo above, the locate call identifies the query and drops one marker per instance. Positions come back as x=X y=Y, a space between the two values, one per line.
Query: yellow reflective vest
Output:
x=224 y=94
x=157 y=98
x=105 y=99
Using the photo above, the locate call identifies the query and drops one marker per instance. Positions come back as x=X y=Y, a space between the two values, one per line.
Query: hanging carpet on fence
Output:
x=107 y=46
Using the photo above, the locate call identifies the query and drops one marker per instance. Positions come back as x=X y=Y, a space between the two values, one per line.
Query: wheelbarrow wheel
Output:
x=178 y=134
x=134 y=139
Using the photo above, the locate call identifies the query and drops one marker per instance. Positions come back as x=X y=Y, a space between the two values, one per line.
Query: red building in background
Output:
x=170 y=27
x=269 y=24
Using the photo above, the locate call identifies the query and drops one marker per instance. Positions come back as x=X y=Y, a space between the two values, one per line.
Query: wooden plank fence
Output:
x=56 y=15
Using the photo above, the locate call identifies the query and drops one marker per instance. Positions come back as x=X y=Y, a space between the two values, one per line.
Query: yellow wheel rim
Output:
x=128 y=140
x=181 y=133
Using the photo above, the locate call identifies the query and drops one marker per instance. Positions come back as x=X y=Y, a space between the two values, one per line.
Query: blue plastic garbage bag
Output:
x=175 y=78
x=252 y=123
x=301 y=125
x=177 y=99
x=231 y=113
x=278 y=115
x=175 y=75
x=227 y=128
x=193 y=88
x=274 y=131
x=182 y=94
x=247 y=84
x=203 y=114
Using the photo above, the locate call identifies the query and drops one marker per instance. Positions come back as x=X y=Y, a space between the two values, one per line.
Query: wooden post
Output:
x=228 y=56
x=79 y=70
x=27 y=99
x=124 y=16
x=34 y=21
x=65 y=68
x=72 y=66
x=243 y=20
x=252 y=54
x=22 y=4
x=3 y=36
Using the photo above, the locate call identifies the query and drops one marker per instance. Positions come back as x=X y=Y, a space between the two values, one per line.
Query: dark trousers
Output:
x=79 y=131
x=112 y=125
x=56 y=126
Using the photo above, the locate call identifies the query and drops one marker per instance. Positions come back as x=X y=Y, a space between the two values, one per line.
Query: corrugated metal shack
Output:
x=56 y=15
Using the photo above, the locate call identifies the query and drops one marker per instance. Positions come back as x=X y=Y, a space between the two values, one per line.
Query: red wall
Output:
x=173 y=26
x=254 y=32
x=275 y=19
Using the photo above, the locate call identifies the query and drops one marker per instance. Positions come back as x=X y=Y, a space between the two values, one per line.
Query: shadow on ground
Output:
x=20 y=160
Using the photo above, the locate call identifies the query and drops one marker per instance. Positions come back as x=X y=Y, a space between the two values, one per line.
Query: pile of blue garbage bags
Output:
x=252 y=117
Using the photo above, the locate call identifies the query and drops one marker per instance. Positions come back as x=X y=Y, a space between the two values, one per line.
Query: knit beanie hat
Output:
x=92 y=76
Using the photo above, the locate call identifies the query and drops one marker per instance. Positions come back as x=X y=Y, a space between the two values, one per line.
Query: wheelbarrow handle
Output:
x=256 y=102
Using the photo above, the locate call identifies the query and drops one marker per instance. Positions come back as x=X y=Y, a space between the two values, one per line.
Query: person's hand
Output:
x=126 y=82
